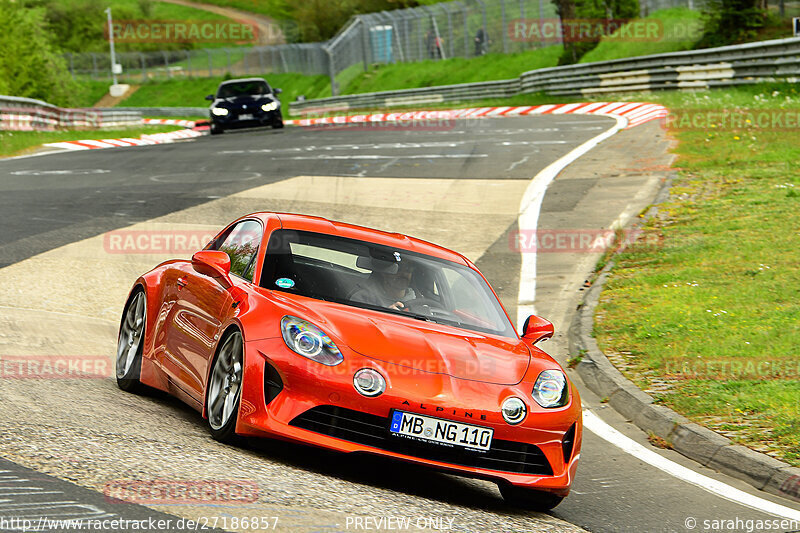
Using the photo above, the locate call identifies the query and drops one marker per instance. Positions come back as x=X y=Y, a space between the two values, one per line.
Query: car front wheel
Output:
x=130 y=342
x=225 y=388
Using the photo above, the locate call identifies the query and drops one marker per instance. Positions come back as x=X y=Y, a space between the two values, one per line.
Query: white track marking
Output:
x=529 y=216
x=596 y=425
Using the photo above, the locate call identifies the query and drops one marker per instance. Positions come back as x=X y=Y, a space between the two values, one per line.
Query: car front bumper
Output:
x=287 y=396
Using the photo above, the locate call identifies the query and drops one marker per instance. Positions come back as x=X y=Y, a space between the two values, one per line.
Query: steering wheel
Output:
x=428 y=307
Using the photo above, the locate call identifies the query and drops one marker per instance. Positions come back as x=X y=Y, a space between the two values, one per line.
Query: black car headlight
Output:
x=550 y=389
x=219 y=111
x=270 y=106
x=308 y=340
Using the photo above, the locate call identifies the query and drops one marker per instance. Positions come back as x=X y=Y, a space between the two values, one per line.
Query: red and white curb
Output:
x=634 y=112
x=152 y=138
x=169 y=122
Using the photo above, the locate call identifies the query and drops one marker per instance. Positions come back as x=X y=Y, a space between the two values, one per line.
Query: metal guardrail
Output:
x=167 y=111
x=694 y=69
x=27 y=114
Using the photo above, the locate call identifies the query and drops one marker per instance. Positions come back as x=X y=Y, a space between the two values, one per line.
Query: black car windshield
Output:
x=368 y=275
x=243 y=88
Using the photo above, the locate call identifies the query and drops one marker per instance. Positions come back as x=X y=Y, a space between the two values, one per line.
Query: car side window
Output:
x=241 y=244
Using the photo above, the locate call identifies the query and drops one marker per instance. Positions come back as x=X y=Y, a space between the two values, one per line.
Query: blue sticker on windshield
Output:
x=284 y=283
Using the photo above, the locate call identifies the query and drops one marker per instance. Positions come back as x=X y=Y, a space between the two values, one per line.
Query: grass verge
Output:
x=191 y=92
x=21 y=142
x=677 y=28
x=450 y=71
x=702 y=311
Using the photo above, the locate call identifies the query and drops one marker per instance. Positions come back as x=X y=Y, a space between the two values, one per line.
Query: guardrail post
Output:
x=71 y=65
x=143 y=63
x=261 y=59
x=210 y=64
x=94 y=66
x=228 y=54
x=189 y=62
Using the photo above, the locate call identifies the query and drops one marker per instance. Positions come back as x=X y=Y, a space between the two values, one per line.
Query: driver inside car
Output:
x=388 y=287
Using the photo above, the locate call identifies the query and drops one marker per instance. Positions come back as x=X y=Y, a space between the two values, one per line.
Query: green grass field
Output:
x=21 y=142
x=676 y=29
x=706 y=305
x=192 y=92
x=449 y=71
x=162 y=11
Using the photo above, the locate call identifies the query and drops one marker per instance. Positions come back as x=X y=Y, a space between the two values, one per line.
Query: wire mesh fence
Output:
x=464 y=28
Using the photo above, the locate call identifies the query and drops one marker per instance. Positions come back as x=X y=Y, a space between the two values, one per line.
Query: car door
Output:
x=204 y=304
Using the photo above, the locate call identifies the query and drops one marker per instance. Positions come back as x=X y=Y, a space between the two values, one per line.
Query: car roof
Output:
x=351 y=231
x=242 y=80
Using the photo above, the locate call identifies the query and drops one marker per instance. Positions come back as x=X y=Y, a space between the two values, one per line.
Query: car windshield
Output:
x=368 y=275
x=243 y=88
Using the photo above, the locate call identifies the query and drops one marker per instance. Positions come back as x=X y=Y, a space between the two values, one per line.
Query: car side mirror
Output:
x=537 y=329
x=213 y=263
x=210 y=97
x=276 y=90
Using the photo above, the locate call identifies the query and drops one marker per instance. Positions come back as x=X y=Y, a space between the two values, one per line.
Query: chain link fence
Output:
x=464 y=28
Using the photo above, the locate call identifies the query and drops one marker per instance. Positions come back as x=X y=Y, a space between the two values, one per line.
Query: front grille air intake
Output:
x=372 y=430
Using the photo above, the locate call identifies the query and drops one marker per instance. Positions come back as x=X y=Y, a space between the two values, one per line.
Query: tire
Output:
x=224 y=390
x=216 y=130
x=130 y=342
x=278 y=122
x=533 y=500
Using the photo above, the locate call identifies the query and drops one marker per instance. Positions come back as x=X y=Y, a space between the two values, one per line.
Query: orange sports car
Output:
x=357 y=340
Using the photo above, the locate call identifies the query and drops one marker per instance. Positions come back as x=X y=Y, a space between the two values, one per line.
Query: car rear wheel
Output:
x=130 y=342
x=534 y=500
x=225 y=388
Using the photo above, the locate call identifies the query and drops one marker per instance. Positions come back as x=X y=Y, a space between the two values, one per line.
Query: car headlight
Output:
x=309 y=341
x=272 y=106
x=219 y=111
x=550 y=389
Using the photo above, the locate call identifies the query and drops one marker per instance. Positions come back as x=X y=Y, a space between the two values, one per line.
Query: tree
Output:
x=31 y=65
x=731 y=22
x=595 y=11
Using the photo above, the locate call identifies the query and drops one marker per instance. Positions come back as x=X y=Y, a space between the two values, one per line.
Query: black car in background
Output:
x=245 y=103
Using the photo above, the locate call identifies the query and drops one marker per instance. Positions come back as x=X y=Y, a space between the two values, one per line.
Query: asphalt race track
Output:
x=65 y=271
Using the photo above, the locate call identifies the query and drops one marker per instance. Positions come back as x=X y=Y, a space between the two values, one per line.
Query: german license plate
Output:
x=246 y=117
x=440 y=431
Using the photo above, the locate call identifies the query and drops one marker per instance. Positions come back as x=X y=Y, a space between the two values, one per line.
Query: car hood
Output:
x=245 y=100
x=426 y=346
